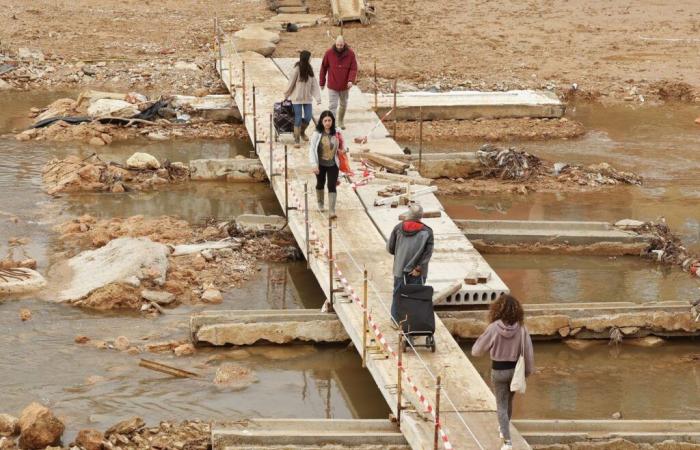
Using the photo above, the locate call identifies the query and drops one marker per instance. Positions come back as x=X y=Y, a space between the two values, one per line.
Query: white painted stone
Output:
x=141 y=160
x=113 y=108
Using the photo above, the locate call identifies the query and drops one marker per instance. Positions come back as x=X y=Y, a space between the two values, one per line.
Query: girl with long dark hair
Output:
x=326 y=144
x=505 y=339
x=302 y=89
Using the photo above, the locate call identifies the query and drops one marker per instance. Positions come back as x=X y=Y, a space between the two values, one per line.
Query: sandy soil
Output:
x=616 y=49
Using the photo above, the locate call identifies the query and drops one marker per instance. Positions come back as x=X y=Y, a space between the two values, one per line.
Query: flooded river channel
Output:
x=91 y=387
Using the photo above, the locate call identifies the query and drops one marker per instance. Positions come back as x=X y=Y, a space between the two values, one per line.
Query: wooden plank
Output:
x=385 y=161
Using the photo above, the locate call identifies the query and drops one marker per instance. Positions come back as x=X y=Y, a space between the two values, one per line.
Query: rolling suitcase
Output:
x=283 y=117
x=415 y=310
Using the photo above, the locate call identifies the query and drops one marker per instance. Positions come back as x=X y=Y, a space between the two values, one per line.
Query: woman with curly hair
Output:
x=504 y=339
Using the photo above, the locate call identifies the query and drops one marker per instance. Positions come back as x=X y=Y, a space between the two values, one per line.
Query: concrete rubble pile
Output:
x=141 y=172
x=518 y=165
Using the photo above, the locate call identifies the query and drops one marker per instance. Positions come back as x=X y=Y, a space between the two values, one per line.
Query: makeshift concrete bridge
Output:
x=341 y=256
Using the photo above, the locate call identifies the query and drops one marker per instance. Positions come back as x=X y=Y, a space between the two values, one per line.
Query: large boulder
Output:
x=39 y=428
x=258 y=33
x=113 y=108
x=9 y=425
x=142 y=161
x=119 y=260
x=261 y=46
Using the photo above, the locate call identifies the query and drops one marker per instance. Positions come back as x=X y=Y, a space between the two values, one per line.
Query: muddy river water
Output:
x=91 y=387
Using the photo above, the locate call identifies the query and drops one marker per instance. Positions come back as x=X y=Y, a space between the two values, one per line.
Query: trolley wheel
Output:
x=430 y=342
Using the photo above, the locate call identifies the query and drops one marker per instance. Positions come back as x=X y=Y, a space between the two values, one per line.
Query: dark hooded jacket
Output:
x=504 y=343
x=411 y=243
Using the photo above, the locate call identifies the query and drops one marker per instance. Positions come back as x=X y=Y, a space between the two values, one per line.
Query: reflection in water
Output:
x=578 y=279
x=95 y=388
x=640 y=383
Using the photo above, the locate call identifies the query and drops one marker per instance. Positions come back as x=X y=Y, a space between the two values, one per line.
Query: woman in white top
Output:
x=302 y=89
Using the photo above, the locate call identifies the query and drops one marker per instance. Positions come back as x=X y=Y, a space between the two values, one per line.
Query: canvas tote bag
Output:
x=518 y=384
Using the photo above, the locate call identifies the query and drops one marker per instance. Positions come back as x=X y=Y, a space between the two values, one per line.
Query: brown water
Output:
x=640 y=383
x=40 y=362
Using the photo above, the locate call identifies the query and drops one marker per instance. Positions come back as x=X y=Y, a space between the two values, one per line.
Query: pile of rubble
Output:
x=141 y=172
x=99 y=118
x=665 y=247
x=38 y=428
x=199 y=262
x=520 y=166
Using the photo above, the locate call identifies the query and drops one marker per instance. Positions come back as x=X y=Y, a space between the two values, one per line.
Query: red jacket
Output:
x=340 y=67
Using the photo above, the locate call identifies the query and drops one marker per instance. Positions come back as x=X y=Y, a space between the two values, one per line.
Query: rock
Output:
x=126 y=427
x=120 y=259
x=208 y=254
x=30 y=53
x=111 y=107
x=617 y=415
x=122 y=343
x=184 y=350
x=25 y=314
x=80 y=339
x=184 y=66
x=261 y=46
x=160 y=297
x=5 y=86
x=95 y=141
x=90 y=439
x=697 y=120
x=90 y=172
x=212 y=296
x=32 y=282
x=257 y=33
x=199 y=262
x=89 y=70
x=564 y=331
x=583 y=344
x=157 y=136
x=9 y=425
x=39 y=428
x=118 y=188
x=629 y=330
x=648 y=341
x=7 y=444
x=629 y=224
x=113 y=297
x=28 y=263
x=234 y=376
x=142 y=161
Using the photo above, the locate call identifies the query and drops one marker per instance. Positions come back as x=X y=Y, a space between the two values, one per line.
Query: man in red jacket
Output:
x=340 y=65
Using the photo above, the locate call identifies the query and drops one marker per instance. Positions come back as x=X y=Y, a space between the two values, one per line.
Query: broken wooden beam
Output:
x=403 y=178
x=390 y=164
x=160 y=367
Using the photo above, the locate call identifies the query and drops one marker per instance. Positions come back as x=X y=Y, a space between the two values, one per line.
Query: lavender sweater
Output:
x=503 y=344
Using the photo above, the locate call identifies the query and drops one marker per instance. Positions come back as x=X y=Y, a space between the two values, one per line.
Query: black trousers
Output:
x=327 y=173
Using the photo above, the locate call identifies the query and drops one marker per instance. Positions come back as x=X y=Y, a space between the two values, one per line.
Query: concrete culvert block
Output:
x=258 y=33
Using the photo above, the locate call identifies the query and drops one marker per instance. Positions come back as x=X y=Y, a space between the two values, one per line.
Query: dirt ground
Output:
x=614 y=50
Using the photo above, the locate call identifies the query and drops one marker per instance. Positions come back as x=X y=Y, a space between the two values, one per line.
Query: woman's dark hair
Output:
x=507 y=309
x=305 y=69
x=319 y=125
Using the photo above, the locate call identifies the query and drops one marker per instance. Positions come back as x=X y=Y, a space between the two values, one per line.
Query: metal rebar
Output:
x=420 y=138
x=395 y=112
x=365 y=321
x=437 y=413
x=306 y=223
x=255 y=124
x=330 y=263
x=272 y=166
x=376 y=87
x=398 y=372
x=243 y=84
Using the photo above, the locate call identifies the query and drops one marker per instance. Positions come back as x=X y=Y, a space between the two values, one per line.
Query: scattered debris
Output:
x=73 y=174
x=25 y=314
x=234 y=376
x=520 y=166
x=160 y=367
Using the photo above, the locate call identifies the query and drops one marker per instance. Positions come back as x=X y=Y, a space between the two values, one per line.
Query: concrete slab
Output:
x=260 y=222
x=299 y=433
x=550 y=232
x=349 y=10
x=468 y=105
x=549 y=432
x=279 y=21
x=211 y=107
